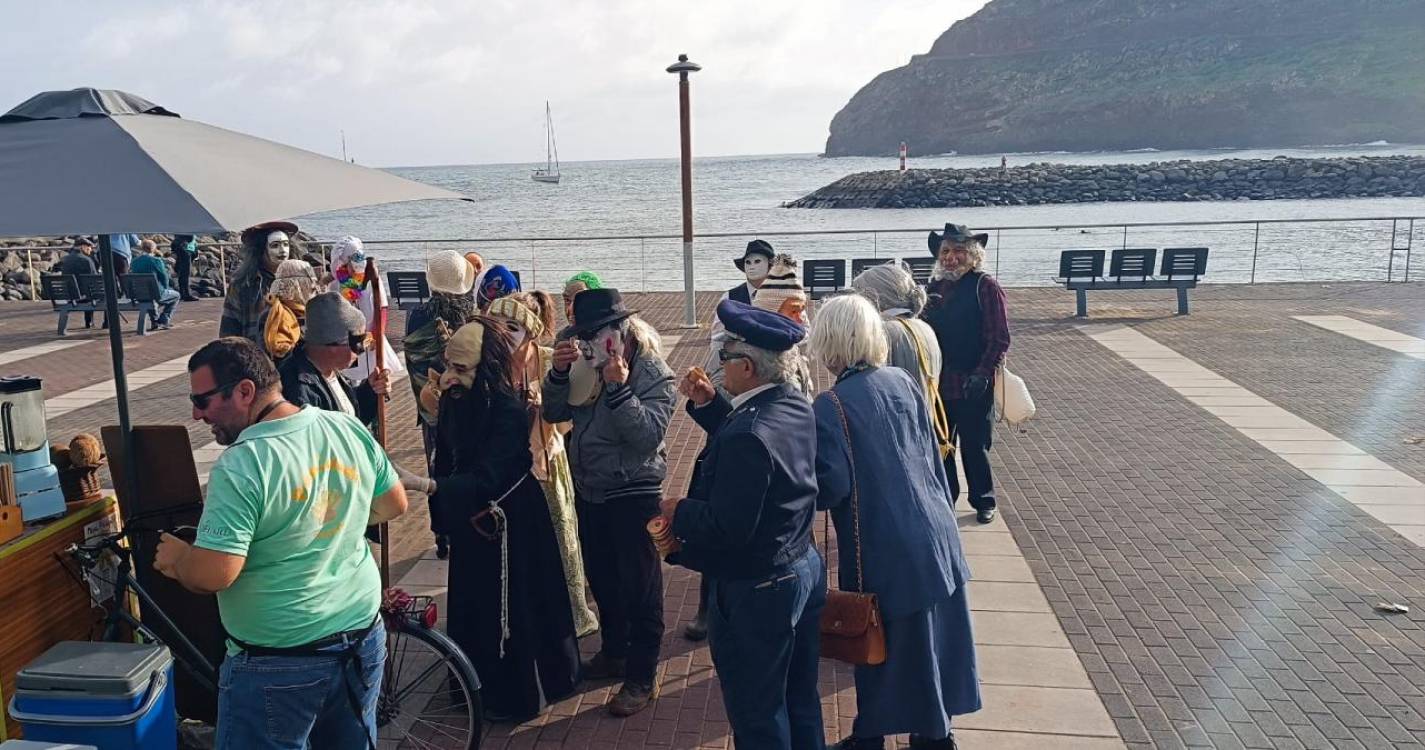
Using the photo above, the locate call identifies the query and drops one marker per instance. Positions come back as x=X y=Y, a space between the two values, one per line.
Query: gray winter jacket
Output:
x=616 y=448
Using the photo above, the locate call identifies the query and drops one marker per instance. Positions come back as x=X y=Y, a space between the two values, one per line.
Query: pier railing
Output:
x=1242 y=251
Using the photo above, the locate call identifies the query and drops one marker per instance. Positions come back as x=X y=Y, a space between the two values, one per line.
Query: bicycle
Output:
x=430 y=693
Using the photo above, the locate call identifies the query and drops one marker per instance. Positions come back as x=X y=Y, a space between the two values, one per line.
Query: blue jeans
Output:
x=167 y=303
x=301 y=702
x=765 y=636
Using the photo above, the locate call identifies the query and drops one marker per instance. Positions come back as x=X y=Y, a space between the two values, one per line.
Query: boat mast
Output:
x=551 y=147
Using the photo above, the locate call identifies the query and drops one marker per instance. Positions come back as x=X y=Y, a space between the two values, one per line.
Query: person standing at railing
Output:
x=967 y=312
x=183 y=248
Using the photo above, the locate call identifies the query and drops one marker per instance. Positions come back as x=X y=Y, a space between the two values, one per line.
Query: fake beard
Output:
x=450 y=379
x=941 y=272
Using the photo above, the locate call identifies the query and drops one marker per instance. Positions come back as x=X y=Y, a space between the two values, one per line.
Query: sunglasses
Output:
x=725 y=356
x=359 y=343
x=200 y=400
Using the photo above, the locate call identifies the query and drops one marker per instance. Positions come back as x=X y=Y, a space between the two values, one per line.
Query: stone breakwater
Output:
x=26 y=259
x=1039 y=183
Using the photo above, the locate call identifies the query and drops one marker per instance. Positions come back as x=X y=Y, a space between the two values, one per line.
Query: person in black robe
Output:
x=508 y=609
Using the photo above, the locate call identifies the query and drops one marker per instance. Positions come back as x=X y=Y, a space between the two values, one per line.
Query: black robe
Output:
x=483 y=451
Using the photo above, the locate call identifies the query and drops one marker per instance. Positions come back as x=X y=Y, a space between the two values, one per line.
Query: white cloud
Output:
x=452 y=81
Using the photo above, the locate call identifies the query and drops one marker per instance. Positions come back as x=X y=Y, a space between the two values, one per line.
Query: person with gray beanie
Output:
x=311 y=374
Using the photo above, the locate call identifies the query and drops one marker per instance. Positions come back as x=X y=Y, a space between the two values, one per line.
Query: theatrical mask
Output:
x=756 y=267
x=604 y=346
x=462 y=356
x=516 y=332
x=279 y=246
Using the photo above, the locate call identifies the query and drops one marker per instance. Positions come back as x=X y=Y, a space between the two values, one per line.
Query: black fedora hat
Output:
x=756 y=247
x=596 y=308
x=955 y=233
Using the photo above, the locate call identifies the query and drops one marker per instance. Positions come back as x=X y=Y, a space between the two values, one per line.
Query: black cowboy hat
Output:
x=955 y=233
x=596 y=308
x=268 y=227
x=756 y=247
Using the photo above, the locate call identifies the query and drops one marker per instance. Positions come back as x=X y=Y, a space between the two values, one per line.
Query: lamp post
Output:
x=683 y=67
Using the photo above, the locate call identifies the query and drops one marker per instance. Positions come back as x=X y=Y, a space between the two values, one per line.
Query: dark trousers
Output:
x=626 y=576
x=765 y=636
x=183 y=267
x=972 y=419
x=429 y=439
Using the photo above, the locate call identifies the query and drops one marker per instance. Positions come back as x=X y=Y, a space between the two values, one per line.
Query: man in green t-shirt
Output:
x=281 y=544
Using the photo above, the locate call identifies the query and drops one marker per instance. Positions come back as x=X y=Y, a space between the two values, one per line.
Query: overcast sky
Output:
x=460 y=82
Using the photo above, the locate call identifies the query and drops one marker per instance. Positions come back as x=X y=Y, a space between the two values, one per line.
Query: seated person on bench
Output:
x=146 y=262
x=80 y=262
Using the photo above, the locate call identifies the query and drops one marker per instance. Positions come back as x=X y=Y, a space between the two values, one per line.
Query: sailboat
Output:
x=550 y=173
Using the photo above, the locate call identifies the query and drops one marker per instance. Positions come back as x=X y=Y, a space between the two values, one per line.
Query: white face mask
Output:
x=278 y=247
x=606 y=344
x=517 y=334
x=756 y=267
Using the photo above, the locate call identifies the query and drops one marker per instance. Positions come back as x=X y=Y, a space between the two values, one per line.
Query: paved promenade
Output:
x=1196 y=527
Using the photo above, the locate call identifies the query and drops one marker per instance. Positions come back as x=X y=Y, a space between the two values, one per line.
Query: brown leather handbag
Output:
x=851 y=626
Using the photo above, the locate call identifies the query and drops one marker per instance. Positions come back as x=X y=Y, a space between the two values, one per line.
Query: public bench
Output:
x=1081 y=271
x=408 y=289
x=84 y=293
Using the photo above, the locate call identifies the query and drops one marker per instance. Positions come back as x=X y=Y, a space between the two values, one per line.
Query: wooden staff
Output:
x=378 y=338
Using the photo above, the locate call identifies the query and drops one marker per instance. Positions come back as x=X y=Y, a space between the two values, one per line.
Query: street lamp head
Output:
x=683 y=66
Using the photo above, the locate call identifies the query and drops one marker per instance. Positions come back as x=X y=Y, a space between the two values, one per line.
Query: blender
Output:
x=25 y=446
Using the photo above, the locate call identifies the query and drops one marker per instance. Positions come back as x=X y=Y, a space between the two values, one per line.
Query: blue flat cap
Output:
x=760 y=328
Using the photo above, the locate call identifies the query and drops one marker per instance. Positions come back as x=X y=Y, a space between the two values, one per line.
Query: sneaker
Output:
x=632 y=698
x=697 y=630
x=602 y=667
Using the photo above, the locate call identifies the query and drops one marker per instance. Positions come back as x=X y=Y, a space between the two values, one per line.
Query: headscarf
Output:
x=494 y=283
x=349 y=268
x=891 y=287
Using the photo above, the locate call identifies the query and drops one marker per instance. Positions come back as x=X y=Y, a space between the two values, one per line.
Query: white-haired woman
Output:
x=879 y=473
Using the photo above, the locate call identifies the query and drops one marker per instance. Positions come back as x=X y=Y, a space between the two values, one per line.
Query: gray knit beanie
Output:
x=331 y=319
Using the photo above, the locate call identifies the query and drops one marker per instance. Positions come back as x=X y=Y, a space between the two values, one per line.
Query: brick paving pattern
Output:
x=1217 y=596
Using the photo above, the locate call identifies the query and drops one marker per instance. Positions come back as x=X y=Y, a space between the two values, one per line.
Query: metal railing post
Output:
x=642 y=267
x=1409 y=242
x=1125 y=236
x=223 y=267
x=1390 y=260
x=875 y=245
x=997 y=253
x=1256 y=240
x=533 y=266
x=30 y=267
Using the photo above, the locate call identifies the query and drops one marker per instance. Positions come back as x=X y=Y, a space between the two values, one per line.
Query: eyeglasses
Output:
x=200 y=400
x=726 y=356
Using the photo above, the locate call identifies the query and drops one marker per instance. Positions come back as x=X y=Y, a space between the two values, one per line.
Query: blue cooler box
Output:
x=114 y=696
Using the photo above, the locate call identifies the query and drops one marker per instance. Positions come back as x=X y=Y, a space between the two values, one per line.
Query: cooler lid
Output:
x=96 y=669
x=19 y=383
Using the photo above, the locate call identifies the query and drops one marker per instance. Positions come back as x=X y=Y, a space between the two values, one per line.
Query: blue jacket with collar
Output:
x=750 y=509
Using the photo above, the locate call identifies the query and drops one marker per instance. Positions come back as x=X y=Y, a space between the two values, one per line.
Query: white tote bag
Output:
x=1013 y=404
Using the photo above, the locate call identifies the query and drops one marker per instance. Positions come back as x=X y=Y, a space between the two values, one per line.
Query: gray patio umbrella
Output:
x=93 y=161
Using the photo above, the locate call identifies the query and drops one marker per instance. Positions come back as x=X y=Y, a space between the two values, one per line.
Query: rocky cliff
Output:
x=1085 y=75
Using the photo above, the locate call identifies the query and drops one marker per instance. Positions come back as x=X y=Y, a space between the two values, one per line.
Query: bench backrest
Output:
x=91 y=285
x=1132 y=262
x=1184 y=261
x=920 y=268
x=860 y=264
x=407 y=287
x=821 y=277
x=140 y=287
x=60 y=288
x=1080 y=264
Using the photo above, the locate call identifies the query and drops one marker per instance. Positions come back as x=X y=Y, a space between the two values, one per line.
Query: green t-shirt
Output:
x=293 y=495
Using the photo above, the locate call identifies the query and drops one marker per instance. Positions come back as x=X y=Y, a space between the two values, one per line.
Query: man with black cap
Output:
x=755 y=264
x=617 y=456
x=746 y=525
x=967 y=310
x=80 y=262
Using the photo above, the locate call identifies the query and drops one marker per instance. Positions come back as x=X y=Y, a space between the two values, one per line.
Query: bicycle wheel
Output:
x=430 y=694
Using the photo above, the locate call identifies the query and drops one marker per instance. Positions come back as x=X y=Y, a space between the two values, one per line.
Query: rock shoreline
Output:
x=1280 y=178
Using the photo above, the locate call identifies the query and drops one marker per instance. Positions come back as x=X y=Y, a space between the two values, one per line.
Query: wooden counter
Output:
x=41 y=604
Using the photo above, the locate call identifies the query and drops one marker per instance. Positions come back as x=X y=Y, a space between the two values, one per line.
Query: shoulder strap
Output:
x=855 y=494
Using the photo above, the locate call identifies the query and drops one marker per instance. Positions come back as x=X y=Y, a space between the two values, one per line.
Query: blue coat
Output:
x=910 y=544
x=750 y=509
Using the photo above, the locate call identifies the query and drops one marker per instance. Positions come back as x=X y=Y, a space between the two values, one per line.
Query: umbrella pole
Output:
x=378 y=336
x=121 y=383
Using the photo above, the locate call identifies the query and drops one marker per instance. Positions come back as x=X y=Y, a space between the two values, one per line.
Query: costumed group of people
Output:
x=546 y=464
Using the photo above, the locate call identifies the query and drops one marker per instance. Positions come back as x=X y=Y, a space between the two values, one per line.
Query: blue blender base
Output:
x=36 y=485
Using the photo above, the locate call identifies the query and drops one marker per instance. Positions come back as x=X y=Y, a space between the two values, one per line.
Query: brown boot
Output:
x=632 y=698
